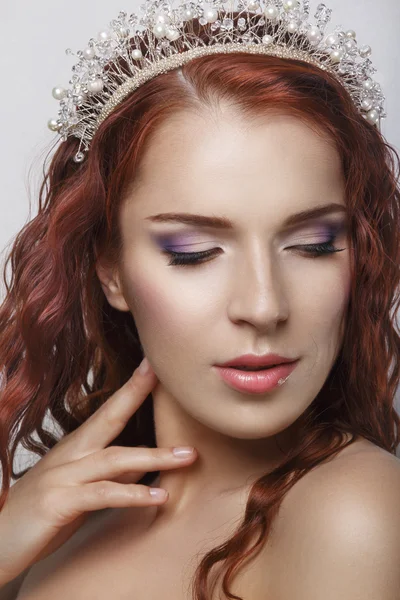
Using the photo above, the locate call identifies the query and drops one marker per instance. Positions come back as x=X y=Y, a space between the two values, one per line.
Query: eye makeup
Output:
x=177 y=242
x=188 y=241
x=327 y=231
x=193 y=258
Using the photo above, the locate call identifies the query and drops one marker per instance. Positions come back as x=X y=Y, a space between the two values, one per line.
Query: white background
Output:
x=34 y=36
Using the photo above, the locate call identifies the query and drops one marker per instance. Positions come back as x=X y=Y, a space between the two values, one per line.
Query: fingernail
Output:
x=183 y=451
x=144 y=366
x=158 y=493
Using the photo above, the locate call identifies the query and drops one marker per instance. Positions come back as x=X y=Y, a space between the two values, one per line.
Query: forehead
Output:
x=208 y=162
x=223 y=144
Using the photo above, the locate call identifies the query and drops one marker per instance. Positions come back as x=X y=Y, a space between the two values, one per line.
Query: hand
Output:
x=79 y=474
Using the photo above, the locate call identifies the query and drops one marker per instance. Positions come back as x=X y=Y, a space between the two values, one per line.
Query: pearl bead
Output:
x=292 y=27
x=366 y=104
x=351 y=34
x=95 y=86
x=159 y=30
x=253 y=5
x=210 y=15
x=123 y=32
x=290 y=5
x=88 y=53
x=368 y=84
x=331 y=40
x=59 y=93
x=137 y=54
x=373 y=116
x=336 y=55
x=271 y=12
x=103 y=36
x=267 y=40
x=52 y=124
x=162 y=18
x=188 y=14
x=314 y=34
x=172 y=35
x=79 y=99
x=365 y=51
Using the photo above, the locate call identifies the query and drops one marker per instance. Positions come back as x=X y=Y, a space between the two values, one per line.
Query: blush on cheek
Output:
x=155 y=313
x=145 y=299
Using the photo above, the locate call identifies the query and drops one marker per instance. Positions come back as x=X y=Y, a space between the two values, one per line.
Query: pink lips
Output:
x=257 y=360
x=256 y=382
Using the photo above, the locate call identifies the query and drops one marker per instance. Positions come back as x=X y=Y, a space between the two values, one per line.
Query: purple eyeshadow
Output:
x=182 y=243
x=188 y=242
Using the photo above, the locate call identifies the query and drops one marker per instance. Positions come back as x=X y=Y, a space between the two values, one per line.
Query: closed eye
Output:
x=195 y=258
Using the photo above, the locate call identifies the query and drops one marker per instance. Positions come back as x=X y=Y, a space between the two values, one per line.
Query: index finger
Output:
x=103 y=426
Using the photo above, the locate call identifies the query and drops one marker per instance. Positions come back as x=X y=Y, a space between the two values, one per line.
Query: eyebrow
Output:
x=224 y=223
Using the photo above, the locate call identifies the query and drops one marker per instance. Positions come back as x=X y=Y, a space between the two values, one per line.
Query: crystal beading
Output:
x=168 y=40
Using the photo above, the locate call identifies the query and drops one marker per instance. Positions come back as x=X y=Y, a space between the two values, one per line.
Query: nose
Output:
x=258 y=294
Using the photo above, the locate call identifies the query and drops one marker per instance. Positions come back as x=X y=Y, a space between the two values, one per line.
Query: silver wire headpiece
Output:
x=135 y=50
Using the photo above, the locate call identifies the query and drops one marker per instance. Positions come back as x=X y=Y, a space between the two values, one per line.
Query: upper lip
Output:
x=253 y=360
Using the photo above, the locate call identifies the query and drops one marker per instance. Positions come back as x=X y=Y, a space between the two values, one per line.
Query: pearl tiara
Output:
x=135 y=49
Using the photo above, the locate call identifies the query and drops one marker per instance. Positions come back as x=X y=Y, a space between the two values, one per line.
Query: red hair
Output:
x=65 y=350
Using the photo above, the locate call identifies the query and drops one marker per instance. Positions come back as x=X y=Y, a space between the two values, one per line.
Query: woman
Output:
x=234 y=206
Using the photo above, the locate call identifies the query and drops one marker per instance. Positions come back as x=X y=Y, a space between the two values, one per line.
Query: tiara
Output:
x=135 y=49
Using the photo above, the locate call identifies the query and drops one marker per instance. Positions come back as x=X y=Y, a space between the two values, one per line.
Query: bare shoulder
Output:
x=342 y=539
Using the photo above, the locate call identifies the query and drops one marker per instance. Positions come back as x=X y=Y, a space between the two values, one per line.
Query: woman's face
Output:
x=257 y=291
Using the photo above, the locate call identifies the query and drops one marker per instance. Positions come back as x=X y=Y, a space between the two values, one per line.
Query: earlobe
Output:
x=112 y=288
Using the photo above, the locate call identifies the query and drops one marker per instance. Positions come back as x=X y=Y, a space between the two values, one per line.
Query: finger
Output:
x=115 y=461
x=129 y=476
x=75 y=500
x=103 y=426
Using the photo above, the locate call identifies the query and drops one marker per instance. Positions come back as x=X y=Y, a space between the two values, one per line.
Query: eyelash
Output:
x=195 y=258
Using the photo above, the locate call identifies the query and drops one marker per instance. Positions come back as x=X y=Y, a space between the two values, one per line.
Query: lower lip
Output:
x=256 y=382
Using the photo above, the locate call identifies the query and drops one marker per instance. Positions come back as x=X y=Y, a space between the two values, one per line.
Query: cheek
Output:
x=325 y=308
x=324 y=285
x=167 y=318
x=152 y=308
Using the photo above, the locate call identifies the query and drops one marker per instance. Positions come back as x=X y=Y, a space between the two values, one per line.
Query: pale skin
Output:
x=257 y=294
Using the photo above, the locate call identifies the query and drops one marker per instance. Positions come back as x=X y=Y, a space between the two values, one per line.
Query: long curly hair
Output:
x=64 y=349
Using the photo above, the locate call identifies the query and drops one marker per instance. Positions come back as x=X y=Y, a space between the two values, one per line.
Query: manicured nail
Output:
x=158 y=493
x=144 y=366
x=183 y=451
